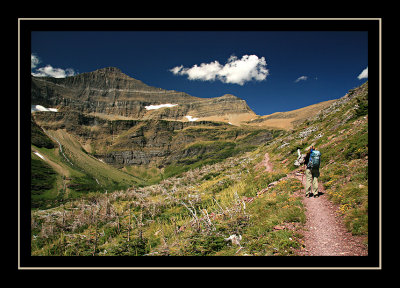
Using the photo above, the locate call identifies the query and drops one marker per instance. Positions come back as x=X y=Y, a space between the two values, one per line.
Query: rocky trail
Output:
x=324 y=232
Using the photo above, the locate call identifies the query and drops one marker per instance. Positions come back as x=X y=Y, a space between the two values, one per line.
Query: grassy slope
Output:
x=192 y=214
x=76 y=172
x=105 y=174
x=171 y=218
x=341 y=134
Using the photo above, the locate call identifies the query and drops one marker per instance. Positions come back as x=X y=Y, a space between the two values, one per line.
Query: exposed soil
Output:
x=324 y=232
x=265 y=163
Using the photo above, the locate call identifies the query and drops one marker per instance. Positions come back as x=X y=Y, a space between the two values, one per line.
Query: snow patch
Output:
x=154 y=107
x=38 y=154
x=35 y=108
x=191 y=119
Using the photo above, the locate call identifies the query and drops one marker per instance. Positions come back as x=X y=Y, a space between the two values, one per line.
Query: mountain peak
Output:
x=229 y=96
x=108 y=70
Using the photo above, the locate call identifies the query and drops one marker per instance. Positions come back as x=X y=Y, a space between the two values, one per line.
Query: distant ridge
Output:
x=287 y=120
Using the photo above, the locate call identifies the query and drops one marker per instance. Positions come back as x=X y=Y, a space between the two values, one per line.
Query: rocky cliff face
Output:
x=111 y=92
x=142 y=142
x=108 y=112
x=227 y=104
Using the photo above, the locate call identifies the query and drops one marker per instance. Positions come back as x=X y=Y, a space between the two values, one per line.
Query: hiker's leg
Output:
x=315 y=175
x=308 y=181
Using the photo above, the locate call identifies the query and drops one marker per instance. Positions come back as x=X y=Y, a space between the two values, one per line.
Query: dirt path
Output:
x=266 y=163
x=324 y=232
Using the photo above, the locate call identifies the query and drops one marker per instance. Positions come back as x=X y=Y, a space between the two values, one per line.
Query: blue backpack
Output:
x=315 y=159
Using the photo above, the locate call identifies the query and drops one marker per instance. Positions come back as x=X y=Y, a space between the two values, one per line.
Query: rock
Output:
x=235 y=239
x=300 y=158
x=128 y=158
x=272 y=184
x=262 y=191
x=278 y=227
x=248 y=199
x=306 y=132
x=283 y=145
x=316 y=137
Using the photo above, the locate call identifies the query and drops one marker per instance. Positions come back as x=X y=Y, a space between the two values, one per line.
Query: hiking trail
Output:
x=324 y=231
x=265 y=163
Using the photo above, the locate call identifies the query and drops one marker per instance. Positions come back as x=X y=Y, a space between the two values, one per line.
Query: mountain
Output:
x=103 y=130
x=109 y=92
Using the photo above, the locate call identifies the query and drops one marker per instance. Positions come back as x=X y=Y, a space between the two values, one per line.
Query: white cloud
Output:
x=363 y=74
x=235 y=71
x=34 y=61
x=301 y=78
x=48 y=70
x=176 y=69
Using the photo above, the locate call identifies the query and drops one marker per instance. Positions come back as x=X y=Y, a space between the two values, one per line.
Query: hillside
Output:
x=89 y=153
x=288 y=120
x=236 y=204
x=68 y=171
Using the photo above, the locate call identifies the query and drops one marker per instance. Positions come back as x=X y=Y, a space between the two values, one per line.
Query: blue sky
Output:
x=272 y=70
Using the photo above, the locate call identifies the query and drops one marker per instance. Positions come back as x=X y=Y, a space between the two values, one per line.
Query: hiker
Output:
x=311 y=162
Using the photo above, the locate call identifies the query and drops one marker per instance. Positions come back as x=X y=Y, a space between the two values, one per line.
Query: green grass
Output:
x=275 y=208
x=43 y=177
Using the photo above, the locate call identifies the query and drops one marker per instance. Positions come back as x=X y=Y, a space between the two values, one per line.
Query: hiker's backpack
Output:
x=315 y=159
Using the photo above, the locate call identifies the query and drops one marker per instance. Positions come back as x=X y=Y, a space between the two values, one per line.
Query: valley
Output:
x=113 y=177
x=108 y=125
